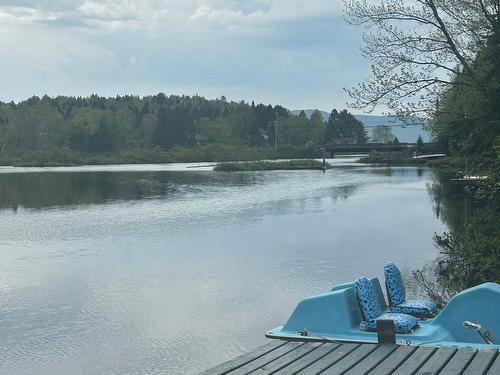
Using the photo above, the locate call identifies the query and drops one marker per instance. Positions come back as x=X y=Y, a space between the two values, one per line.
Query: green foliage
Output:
x=265 y=165
x=468 y=123
x=342 y=125
x=420 y=144
x=209 y=152
x=317 y=127
x=159 y=128
x=470 y=250
x=467 y=119
x=382 y=134
x=471 y=256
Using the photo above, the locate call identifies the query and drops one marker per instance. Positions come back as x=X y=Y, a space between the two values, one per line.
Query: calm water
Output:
x=171 y=269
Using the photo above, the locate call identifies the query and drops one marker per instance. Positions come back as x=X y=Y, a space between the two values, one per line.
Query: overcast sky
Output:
x=298 y=53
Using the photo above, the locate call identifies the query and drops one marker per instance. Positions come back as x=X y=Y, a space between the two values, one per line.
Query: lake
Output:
x=172 y=269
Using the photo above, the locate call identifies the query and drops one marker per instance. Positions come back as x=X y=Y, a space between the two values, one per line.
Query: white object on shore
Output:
x=429 y=156
x=470 y=178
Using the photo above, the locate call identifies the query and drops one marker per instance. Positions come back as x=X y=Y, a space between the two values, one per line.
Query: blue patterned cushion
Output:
x=397 y=295
x=403 y=323
x=415 y=307
x=394 y=284
x=367 y=298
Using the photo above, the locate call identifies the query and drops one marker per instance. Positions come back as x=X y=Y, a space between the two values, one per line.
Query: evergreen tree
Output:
x=343 y=126
x=163 y=135
x=420 y=144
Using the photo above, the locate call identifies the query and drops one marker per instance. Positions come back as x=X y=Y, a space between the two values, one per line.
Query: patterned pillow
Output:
x=367 y=298
x=402 y=323
x=394 y=284
x=418 y=307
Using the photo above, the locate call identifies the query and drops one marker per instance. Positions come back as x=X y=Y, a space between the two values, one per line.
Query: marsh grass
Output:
x=267 y=165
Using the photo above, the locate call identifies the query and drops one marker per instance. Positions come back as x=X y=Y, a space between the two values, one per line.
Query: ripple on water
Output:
x=191 y=269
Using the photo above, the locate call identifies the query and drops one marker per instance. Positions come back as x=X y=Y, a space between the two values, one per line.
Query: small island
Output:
x=267 y=165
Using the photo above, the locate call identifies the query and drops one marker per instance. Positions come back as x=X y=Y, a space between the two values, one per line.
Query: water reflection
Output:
x=38 y=188
x=451 y=201
x=162 y=272
x=43 y=190
x=467 y=249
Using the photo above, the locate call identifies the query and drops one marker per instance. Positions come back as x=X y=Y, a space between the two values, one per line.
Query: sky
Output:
x=297 y=53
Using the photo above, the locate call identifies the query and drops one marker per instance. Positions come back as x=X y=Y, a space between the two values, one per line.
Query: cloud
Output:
x=160 y=15
x=293 y=52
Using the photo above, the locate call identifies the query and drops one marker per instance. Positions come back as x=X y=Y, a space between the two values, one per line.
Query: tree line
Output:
x=98 y=125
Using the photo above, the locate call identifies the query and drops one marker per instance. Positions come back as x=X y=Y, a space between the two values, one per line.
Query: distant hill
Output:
x=404 y=133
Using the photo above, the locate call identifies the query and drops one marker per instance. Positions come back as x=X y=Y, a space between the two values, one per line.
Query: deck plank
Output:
x=243 y=359
x=287 y=359
x=372 y=361
x=267 y=358
x=296 y=357
x=495 y=367
x=481 y=362
x=351 y=360
x=436 y=363
x=458 y=362
x=392 y=362
x=331 y=358
x=309 y=358
x=415 y=361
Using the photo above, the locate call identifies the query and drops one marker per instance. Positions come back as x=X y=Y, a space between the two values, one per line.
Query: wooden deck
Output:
x=292 y=357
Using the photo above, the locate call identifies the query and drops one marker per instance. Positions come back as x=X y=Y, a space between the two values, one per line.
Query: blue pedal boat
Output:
x=469 y=319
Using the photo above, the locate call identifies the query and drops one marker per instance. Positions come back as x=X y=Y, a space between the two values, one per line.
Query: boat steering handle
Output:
x=485 y=335
x=472 y=325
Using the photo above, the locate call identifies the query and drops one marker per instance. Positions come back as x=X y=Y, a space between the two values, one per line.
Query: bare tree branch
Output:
x=418 y=48
x=448 y=37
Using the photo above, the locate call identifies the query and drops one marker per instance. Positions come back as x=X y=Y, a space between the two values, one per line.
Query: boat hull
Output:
x=335 y=316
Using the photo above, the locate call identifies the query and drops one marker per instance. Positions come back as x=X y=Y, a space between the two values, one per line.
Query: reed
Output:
x=267 y=165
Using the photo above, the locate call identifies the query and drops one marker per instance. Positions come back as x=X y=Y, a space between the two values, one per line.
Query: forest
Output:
x=161 y=128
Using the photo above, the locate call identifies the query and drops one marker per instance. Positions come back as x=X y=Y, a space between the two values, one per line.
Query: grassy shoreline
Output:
x=267 y=165
x=205 y=153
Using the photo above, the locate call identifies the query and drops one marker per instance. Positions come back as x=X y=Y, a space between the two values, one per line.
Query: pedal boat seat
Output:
x=372 y=311
x=396 y=295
